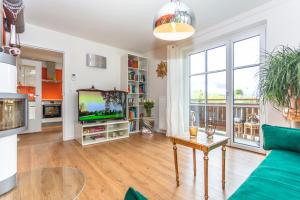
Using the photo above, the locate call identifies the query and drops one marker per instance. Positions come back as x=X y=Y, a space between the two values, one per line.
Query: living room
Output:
x=159 y=100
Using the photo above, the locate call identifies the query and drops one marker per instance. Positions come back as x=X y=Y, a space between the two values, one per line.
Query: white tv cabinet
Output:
x=92 y=133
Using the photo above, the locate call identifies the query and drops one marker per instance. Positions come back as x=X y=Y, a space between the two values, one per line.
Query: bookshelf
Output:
x=134 y=77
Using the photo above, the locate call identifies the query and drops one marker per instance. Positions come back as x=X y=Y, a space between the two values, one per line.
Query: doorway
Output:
x=40 y=76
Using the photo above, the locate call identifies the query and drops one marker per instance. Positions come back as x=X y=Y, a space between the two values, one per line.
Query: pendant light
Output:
x=174 y=21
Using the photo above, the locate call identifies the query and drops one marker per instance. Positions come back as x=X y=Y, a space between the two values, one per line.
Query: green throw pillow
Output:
x=276 y=137
x=131 y=194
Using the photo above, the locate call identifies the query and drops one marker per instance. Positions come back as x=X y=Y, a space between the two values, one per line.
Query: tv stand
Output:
x=97 y=132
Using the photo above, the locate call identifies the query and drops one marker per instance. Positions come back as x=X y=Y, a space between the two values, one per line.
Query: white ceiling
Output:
x=125 y=24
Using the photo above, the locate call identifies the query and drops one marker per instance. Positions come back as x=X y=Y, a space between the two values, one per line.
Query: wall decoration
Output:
x=162 y=69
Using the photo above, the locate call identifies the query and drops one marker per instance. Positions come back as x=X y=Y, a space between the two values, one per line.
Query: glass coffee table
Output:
x=48 y=183
x=202 y=143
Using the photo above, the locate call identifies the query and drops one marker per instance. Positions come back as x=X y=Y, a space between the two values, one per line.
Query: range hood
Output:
x=51 y=71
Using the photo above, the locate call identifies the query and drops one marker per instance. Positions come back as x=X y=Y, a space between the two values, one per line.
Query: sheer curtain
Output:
x=175 y=99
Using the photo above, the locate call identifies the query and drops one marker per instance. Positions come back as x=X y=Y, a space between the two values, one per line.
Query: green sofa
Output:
x=278 y=176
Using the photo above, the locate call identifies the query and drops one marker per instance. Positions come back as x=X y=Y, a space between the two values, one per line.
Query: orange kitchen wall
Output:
x=52 y=91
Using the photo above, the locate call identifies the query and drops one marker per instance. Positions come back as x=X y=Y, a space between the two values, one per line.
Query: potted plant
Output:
x=148 y=105
x=280 y=79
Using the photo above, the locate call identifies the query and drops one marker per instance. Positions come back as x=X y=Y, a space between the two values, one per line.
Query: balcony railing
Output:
x=246 y=114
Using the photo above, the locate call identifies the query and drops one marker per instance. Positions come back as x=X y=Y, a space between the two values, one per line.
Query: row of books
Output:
x=132 y=126
x=133 y=63
x=132 y=113
x=131 y=89
x=130 y=101
x=133 y=76
x=94 y=129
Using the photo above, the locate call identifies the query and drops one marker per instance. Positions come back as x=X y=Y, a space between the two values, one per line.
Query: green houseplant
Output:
x=148 y=105
x=280 y=79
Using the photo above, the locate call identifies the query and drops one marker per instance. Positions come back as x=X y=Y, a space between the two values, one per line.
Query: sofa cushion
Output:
x=276 y=137
x=277 y=177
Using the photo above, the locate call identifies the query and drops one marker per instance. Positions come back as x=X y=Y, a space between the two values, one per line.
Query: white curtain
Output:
x=175 y=99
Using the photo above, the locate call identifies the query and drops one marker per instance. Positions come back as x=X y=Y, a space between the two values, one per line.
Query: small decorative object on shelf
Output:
x=162 y=69
x=148 y=105
x=210 y=130
x=193 y=129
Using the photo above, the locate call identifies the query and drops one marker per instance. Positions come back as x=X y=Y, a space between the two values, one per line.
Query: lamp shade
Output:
x=174 y=21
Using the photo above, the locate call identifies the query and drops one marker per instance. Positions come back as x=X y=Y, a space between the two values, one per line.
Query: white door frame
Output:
x=63 y=113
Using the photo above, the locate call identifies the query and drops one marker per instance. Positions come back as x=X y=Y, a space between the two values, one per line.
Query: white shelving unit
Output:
x=134 y=77
x=93 y=133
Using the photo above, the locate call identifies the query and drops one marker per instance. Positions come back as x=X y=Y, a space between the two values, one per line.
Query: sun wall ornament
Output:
x=162 y=69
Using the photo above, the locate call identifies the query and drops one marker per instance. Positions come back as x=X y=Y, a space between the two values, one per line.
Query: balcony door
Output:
x=208 y=88
x=224 y=88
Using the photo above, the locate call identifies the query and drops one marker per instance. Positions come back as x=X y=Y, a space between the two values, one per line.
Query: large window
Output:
x=224 y=88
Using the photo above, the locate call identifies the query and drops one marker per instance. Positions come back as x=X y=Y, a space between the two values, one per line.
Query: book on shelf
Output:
x=142 y=78
x=141 y=88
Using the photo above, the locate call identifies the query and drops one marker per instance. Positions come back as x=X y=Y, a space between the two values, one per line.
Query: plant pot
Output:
x=148 y=112
x=293 y=103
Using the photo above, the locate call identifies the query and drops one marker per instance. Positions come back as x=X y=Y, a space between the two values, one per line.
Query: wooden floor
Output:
x=143 y=162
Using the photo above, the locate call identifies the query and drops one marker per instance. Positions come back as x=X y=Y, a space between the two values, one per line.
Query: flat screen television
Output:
x=97 y=105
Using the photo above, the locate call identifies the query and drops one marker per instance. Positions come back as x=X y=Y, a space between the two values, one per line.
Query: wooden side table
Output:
x=202 y=143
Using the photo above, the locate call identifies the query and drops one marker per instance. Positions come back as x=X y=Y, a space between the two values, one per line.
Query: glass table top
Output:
x=202 y=139
x=47 y=183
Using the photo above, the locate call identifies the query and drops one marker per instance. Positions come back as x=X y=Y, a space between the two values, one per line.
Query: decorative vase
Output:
x=148 y=112
x=193 y=131
x=210 y=131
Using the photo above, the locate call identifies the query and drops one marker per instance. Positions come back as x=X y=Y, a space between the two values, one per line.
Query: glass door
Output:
x=208 y=88
x=246 y=105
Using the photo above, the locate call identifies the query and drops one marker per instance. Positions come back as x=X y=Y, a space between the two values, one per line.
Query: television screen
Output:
x=101 y=105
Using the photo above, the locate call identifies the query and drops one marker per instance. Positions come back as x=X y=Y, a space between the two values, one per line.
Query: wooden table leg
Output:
x=205 y=175
x=176 y=163
x=223 y=166
x=194 y=159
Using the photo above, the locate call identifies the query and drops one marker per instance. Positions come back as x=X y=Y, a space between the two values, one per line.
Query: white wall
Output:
x=157 y=86
x=75 y=50
x=282 y=21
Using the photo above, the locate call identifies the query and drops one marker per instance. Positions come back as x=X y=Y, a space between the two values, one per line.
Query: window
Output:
x=224 y=88
x=208 y=87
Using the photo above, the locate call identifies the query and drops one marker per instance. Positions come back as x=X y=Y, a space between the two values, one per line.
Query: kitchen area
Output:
x=40 y=76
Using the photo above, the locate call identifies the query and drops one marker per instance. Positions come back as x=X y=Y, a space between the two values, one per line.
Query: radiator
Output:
x=162 y=108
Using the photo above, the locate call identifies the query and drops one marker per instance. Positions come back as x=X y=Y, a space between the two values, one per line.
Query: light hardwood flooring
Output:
x=143 y=162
